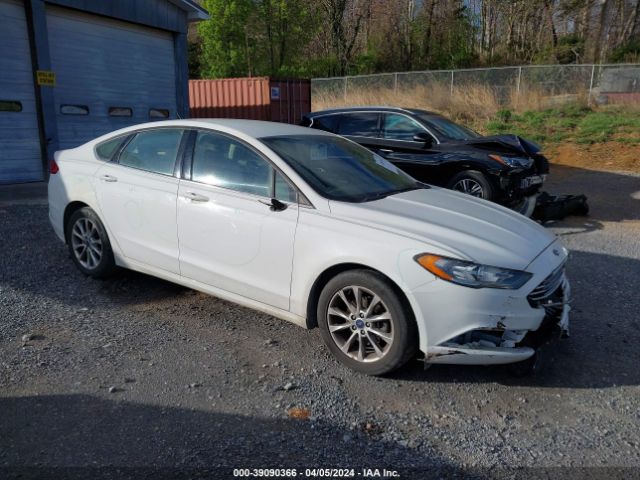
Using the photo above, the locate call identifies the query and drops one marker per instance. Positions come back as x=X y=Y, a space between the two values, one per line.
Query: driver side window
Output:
x=399 y=127
x=224 y=162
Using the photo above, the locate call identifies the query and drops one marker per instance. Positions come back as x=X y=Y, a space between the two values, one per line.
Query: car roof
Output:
x=255 y=128
x=370 y=108
x=252 y=128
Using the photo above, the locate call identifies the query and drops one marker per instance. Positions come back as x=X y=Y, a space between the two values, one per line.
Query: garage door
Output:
x=109 y=74
x=20 y=157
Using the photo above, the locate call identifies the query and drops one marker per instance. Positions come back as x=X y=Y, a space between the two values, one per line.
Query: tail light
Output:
x=53 y=167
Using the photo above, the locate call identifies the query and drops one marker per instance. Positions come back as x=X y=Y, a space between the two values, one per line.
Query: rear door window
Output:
x=107 y=149
x=153 y=151
x=359 y=124
x=328 y=123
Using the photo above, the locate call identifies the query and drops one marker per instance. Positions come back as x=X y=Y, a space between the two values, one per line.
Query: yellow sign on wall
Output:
x=46 y=78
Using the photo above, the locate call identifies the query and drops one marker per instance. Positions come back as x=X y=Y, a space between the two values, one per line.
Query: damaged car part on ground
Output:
x=504 y=168
x=314 y=229
x=557 y=207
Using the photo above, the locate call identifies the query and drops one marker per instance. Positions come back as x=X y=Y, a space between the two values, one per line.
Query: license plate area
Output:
x=530 y=181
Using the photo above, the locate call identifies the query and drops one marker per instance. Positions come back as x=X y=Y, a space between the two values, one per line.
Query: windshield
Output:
x=339 y=169
x=446 y=129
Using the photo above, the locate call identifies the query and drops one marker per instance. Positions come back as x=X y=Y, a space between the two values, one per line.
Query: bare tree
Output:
x=345 y=19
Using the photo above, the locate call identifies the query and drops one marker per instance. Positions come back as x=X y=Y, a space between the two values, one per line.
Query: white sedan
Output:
x=312 y=228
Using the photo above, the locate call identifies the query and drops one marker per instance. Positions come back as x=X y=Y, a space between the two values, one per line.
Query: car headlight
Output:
x=472 y=274
x=516 y=162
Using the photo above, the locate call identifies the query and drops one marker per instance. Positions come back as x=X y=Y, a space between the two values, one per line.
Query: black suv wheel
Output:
x=472 y=183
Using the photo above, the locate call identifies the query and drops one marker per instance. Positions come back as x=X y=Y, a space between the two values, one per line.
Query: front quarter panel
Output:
x=323 y=242
x=442 y=309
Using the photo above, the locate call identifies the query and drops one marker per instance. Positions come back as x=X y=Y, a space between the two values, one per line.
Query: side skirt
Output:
x=216 y=292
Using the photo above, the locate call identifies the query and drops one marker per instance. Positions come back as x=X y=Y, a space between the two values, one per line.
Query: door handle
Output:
x=108 y=178
x=196 y=197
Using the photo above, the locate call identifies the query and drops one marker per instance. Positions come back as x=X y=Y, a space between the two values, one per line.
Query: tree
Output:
x=342 y=37
x=226 y=49
x=345 y=19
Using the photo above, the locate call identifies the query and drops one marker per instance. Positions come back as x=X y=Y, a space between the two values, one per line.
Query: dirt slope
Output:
x=610 y=156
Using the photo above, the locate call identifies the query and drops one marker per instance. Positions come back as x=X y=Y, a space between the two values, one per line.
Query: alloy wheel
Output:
x=360 y=323
x=469 y=186
x=86 y=243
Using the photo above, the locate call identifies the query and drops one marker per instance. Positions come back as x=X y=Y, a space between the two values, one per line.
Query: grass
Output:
x=569 y=123
x=531 y=115
x=469 y=103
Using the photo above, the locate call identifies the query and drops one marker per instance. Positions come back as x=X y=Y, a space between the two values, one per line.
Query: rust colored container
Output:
x=255 y=98
x=620 y=98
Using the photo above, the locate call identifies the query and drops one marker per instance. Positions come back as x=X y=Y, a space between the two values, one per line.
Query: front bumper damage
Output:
x=501 y=346
x=491 y=327
x=517 y=185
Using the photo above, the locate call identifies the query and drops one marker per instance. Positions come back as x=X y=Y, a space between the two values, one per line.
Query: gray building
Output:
x=71 y=70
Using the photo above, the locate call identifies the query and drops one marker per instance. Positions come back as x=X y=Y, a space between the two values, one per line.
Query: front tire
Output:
x=472 y=183
x=365 y=323
x=89 y=244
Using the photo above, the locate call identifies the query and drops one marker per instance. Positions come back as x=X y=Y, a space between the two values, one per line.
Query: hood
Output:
x=504 y=144
x=465 y=226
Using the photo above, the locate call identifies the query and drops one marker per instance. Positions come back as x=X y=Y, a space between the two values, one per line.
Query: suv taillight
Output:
x=53 y=167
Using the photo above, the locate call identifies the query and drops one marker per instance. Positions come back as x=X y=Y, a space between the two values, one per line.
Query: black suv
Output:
x=505 y=168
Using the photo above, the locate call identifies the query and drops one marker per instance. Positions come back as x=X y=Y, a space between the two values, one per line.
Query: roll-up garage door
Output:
x=20 y=154
x=109 y=74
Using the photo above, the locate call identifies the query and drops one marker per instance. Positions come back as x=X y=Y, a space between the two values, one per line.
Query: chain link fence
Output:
x=611 y=83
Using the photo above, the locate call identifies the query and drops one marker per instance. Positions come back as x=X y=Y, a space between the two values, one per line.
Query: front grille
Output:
x=547 y=287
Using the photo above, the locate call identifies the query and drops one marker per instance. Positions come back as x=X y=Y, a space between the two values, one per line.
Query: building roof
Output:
x=195 y=12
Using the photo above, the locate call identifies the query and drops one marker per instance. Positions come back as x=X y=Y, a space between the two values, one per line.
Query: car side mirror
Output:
x=423 y=137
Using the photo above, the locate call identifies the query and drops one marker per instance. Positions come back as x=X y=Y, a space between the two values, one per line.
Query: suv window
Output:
x=224 y=162
x=362 y=124
x=400 y=127
x=154 y=151
x=328 y=123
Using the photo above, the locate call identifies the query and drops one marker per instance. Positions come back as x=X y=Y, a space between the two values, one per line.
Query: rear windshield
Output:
x=339 y=169
x=445 y=129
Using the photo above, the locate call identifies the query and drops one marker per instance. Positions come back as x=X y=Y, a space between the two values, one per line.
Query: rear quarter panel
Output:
x=72 y=183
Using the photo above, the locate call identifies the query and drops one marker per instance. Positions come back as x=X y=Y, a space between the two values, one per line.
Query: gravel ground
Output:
x=134 y=372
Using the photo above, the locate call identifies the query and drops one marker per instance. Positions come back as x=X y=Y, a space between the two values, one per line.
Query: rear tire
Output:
x=472 y=183
x=365 y=323
x=89 y=244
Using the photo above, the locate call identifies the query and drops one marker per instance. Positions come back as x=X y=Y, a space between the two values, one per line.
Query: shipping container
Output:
x=256 y=98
